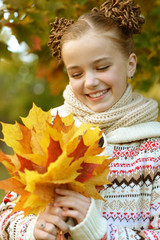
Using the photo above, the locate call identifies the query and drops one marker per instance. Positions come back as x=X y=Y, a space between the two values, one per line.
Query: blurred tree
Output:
x=147 y=79
x=32 y=75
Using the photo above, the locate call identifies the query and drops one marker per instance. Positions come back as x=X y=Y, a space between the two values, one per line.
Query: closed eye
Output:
x=76 y=75
x=103 y=68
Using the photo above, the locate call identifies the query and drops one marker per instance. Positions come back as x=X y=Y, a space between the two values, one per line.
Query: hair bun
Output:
x=124 y=13
x=59 y=26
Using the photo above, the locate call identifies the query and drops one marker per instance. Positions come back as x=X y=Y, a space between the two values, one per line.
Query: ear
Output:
x=132 y=64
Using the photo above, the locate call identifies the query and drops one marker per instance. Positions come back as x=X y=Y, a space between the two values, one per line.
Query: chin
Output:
x=99 y=110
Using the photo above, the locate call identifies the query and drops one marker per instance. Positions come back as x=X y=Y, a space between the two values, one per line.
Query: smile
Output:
x=98 y=94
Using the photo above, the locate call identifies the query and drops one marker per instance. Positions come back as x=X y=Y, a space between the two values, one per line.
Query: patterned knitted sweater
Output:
x=131 y=209
x=132 y=203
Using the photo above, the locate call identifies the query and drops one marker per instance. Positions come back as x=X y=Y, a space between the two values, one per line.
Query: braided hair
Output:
x=124 y=14
x=59 y=26
x=119 y=15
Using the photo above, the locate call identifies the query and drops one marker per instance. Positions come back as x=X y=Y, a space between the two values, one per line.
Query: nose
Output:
x=91 y=81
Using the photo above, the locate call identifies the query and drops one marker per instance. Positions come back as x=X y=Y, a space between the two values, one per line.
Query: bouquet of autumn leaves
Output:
x=47 y=156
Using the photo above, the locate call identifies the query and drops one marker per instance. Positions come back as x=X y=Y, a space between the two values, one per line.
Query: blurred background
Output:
x=28 y=73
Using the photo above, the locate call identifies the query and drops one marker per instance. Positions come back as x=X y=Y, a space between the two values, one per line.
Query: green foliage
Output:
x=4 y=53
x=148 y=50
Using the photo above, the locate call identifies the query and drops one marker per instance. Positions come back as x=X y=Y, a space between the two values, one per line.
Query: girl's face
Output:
x=97 y=70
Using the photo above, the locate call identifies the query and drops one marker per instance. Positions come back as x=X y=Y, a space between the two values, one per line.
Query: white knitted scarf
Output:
x=131 y=109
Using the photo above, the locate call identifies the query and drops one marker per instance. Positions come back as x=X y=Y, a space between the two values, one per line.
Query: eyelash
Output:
x=103 y=68
x=77 y=75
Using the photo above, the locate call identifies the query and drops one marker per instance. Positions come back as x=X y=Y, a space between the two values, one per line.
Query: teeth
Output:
x=97 y=94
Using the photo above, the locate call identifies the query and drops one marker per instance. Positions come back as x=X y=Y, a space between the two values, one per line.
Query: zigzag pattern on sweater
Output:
x=142 y=180
x=127 y=217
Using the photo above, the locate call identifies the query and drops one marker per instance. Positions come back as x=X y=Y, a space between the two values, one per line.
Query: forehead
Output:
x=90 y=45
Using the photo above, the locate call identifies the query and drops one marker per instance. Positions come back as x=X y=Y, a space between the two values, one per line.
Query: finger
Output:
x=75 y=211
x=57 y=221
x=74 y=214
x=68 y=192
x=74 y=203
x=50 y=228
x=76 y=199
x=40 y=234
x=54 y=210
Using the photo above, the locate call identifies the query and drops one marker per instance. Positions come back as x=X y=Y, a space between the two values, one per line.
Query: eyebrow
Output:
x=72 y=67
x=101 y=59
x=96 y=61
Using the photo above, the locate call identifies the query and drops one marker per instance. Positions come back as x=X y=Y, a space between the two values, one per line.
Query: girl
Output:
x=97 y=51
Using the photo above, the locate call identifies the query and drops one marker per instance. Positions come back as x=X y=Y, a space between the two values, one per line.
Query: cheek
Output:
x=110 y=78
x=115 y=75
x=118 y=82
x=119 y=89
x=76 y=86
x=118 y=79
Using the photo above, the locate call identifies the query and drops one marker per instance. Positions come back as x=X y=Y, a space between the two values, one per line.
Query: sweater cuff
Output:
x=93 y=227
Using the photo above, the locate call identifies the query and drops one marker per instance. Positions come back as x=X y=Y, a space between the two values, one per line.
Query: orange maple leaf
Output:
x=47 y=156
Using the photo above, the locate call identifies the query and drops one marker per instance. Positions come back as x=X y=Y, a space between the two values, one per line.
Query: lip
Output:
x=97 y=98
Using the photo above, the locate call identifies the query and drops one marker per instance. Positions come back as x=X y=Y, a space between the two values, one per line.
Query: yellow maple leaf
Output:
x=47 y=156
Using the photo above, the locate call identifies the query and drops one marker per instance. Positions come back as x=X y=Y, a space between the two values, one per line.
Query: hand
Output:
x=73 y=204
x=48 y=222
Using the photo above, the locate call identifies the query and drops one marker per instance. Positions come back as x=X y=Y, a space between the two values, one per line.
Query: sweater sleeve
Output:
x=95 y=226
x=15 y=226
